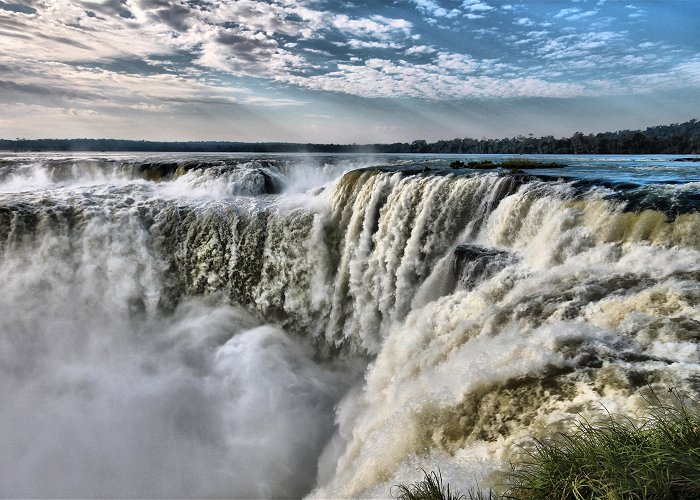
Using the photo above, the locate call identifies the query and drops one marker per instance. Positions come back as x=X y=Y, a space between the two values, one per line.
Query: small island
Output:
x=512 y=163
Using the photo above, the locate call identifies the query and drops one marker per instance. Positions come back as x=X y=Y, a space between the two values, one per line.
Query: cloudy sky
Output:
x=334 y=71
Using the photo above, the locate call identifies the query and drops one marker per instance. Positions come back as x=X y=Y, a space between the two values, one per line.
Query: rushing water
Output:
x=284 y=325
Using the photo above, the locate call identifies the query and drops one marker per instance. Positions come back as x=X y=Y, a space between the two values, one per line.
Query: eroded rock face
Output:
x=475 y=263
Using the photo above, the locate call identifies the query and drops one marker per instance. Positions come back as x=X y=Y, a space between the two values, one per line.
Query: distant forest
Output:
x=677 y=138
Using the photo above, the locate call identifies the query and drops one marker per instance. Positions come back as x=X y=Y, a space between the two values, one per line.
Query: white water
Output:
x=190 y=336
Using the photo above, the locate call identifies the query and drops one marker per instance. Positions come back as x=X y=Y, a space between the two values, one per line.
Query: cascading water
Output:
x=241 y=326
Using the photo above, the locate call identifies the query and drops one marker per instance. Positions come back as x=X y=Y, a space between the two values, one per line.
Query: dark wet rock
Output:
x=272 y=184
x=654 y=198
x=154 y=171
x=517 y=164
x=474 y=263
x=472 y=252
x=635 y=197
x=474 y=165
x=525 y=163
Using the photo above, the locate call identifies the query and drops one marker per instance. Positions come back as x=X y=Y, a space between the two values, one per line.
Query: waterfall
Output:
x=256 y=327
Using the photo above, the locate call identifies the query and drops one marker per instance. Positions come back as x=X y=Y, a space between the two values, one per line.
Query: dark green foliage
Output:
x=677 y=138
x=658 y=458
x=683 y=138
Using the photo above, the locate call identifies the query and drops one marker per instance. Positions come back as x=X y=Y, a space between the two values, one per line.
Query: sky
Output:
x=344 y=72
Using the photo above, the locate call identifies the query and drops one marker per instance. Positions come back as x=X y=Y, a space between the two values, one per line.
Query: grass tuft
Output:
x=659 y=457
x=617 y=458
x=431 y=487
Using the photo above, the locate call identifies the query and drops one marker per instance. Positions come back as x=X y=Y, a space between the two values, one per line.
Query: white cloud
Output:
x=580 y=46
x=574 y=14
x=100 y=88
x=476 y=6
x=246 y=53
x=636 y=11
x=471 y=9
x=80 y=112
x=582 y=15
x=372 y=44
x=420 y=49
x=241 y=37
x=567 y=12
x=429 y=7
x=271 y=102
x=379 y=27
x=447 y=76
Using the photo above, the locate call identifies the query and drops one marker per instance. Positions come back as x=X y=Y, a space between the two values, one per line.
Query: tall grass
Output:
x=431 y=487
x=657 y=457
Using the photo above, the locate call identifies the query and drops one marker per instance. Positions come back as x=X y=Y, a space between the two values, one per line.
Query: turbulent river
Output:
x=289 y=325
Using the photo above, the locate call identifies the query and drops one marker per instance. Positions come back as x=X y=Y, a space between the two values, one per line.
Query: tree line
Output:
x=676 y=138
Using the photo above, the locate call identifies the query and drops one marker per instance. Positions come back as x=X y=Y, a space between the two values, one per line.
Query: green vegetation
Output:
x=656 y=458
x=431 y=487
x=677 y=138
x=512 y=163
